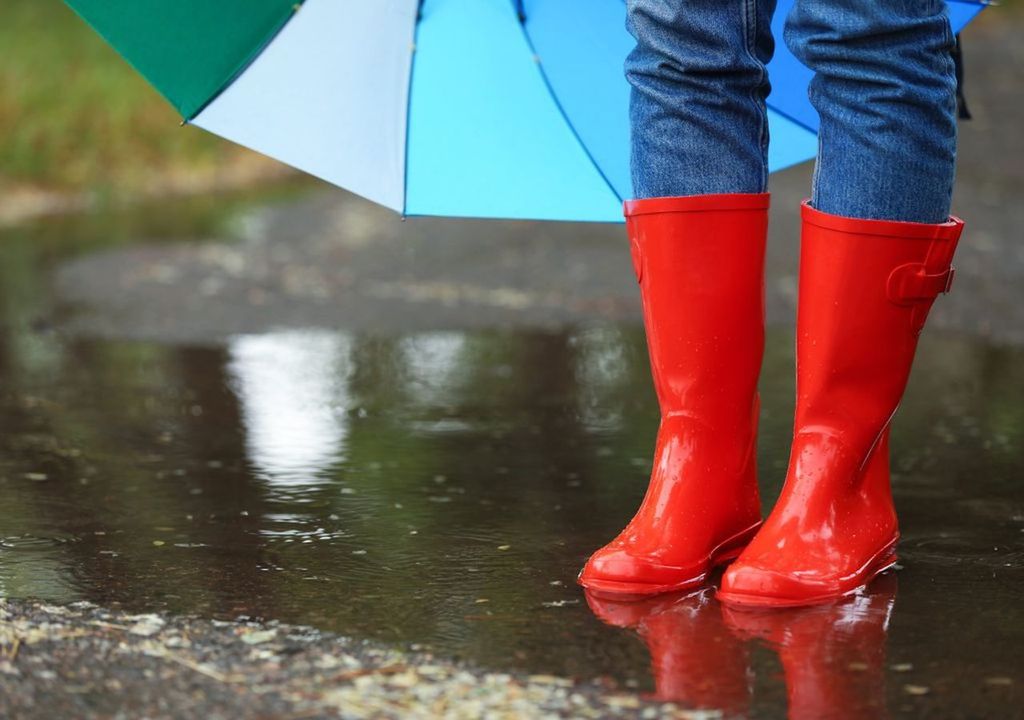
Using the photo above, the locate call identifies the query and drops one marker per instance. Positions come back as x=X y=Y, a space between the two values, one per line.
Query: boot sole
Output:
x=723 y=554
x=883 y=560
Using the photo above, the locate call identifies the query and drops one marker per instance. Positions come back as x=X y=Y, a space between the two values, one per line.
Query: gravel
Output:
x=84 y=661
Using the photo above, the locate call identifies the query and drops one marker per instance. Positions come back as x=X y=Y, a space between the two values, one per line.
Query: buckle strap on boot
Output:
x=912 y=283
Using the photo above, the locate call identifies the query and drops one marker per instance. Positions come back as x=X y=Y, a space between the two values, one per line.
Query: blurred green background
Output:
x=75 y=116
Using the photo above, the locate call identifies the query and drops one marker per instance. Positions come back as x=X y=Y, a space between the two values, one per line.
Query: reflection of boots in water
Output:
x=694 y=658
x=833 y=656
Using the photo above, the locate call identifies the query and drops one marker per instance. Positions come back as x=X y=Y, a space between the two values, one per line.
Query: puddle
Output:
x=443 y=488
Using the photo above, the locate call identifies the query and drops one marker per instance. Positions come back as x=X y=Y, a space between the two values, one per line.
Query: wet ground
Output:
x=293 y=406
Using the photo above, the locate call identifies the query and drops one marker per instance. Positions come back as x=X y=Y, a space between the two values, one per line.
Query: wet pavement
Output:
x=293 y=406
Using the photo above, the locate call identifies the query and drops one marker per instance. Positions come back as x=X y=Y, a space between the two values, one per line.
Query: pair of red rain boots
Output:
x=866 y=287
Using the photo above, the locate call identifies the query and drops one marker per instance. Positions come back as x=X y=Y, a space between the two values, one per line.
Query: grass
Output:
x=75 y=116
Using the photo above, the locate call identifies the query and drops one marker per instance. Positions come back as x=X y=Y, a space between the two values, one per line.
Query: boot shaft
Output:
x=866 y=287
x=700 y=264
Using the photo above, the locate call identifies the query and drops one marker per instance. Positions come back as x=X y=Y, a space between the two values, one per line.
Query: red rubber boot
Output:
x=700 y=264
x=866 y=287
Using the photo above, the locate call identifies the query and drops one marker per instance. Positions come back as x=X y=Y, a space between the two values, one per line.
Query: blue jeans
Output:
x=884 y=88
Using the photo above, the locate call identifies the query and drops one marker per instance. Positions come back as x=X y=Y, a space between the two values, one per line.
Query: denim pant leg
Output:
x=885 y=89
x=697 y=103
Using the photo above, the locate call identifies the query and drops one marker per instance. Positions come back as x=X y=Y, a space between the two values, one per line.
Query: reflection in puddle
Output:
x=603 y=362
x=833 y=655
x=695 y=660
x=433 y=364
x=293 y=389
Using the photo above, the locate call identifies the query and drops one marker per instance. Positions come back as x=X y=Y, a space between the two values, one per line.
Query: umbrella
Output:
x=478 y=108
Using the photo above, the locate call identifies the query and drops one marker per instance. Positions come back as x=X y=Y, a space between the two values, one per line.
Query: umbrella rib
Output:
x=562 y=112
x=791 y=118
x=408 y=107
